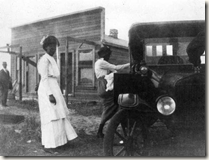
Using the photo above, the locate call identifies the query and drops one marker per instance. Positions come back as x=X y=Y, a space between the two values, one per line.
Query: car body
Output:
x=163 y=47
x=162 y=84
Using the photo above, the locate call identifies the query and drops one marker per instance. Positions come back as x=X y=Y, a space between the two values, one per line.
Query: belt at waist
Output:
x=52 y=76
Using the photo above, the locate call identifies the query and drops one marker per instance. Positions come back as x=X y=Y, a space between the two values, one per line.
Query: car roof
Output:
x=167 y=29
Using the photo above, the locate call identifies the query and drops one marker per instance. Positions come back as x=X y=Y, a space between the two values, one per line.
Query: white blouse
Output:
x=102 y=67
x=48 y=68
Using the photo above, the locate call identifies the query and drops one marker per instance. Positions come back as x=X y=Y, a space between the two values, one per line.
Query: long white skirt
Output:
x=57 y=133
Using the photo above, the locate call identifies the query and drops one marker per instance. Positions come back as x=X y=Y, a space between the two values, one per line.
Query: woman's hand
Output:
x=52 y=99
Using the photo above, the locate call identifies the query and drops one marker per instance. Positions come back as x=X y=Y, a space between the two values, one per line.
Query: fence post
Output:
x=66 y=72
x=20 y=74
x=8 y=49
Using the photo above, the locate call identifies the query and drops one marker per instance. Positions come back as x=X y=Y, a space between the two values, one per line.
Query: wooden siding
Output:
x=119 y=56
x=84 y=25
x=89 y=25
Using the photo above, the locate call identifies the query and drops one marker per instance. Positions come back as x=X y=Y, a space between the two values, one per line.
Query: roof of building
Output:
x=115 y=42
x=106 y=40
x=60 y=16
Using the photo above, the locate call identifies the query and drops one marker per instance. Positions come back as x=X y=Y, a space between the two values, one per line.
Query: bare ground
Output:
x=189 y=141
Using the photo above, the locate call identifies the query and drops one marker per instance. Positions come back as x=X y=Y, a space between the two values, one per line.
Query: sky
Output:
x=119 y=14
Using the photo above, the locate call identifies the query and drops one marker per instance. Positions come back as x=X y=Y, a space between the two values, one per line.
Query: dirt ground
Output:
x=189 y=141
x=88 y=124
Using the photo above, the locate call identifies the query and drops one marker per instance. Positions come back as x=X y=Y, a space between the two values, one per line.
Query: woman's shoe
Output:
x=51 y=150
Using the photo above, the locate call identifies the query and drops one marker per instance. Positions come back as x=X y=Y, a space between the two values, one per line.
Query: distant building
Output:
x=86 y=34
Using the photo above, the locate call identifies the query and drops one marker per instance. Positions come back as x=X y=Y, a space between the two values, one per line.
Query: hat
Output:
x=47 y=40
x=104 y=51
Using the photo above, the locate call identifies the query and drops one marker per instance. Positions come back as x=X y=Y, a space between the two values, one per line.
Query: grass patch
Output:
x=14 y=139
x=25 y=139
x=25 y=104
x=83 y=146
x=91 y=108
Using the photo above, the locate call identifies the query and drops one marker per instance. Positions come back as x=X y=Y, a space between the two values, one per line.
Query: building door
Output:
x=63 y=73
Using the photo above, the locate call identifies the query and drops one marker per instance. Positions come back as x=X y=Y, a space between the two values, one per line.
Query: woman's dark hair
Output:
x=50 y=40
x=104 y=51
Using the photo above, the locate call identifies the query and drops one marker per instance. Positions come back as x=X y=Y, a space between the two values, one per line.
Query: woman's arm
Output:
x=112 y=67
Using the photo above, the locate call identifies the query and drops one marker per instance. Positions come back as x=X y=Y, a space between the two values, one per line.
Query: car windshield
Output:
x=172 y=51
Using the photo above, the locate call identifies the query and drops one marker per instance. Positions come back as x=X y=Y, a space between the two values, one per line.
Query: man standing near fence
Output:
x=5 y=82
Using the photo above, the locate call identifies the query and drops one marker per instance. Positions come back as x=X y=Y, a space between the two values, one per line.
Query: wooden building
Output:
x=81 y=35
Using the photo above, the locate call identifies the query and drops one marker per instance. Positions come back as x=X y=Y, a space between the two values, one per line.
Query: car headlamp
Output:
x=166 y=105
x=143 y=70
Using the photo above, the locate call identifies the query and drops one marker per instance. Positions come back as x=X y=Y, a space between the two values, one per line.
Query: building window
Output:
x=85 y=72
x=86 y=76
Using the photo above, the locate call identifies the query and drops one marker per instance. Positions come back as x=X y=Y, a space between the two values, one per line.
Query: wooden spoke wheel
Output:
x=125 y=135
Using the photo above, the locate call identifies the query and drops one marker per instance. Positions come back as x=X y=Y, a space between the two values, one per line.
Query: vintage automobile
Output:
x=162 y=85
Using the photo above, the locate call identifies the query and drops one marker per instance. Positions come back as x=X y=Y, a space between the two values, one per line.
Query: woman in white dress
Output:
x=56 y=128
